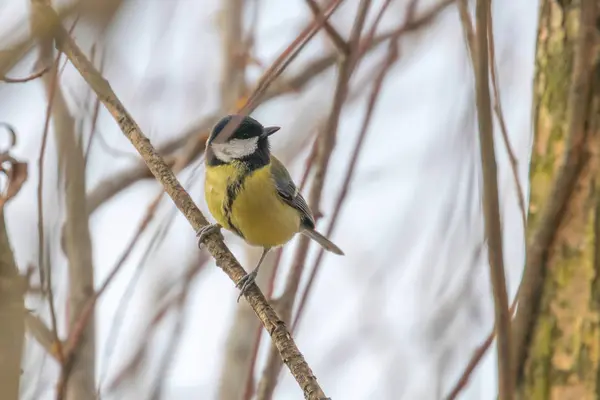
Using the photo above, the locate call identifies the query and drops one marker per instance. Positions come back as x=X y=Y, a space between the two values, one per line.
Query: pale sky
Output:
x=399 y=316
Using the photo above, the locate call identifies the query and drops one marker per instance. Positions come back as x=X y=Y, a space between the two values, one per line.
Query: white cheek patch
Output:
x=235 y=149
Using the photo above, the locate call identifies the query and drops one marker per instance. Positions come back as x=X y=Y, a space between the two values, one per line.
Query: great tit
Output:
x=250 y=192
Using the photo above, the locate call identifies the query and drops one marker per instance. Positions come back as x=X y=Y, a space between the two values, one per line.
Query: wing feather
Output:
x=289 y=193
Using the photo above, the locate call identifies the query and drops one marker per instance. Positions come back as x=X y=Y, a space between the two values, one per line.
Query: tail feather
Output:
x=323 y=241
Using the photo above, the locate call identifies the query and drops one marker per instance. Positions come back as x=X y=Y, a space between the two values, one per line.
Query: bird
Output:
x=250 y=192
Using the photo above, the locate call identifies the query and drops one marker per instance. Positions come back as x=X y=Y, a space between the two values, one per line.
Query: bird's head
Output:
x=249 y=140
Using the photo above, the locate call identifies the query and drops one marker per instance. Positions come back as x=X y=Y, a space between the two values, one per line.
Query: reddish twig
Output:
x=171 y=349
x=333 y=34
x=278 y=66
x=476 y=359
x=154 y=242
x=503 y=129
x=368 y=40
x=390 y=60
x=250 y=387
x=31 y=77
x=271 y=285
x=85 y=315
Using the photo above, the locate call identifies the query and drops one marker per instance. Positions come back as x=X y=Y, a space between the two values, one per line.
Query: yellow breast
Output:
x=257 y=211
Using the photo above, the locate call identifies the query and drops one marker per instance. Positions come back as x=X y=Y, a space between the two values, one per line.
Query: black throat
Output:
x=260 y=158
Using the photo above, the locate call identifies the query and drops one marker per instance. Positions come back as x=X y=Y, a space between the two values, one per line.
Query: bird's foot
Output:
x=245 y=283
x=206 y=230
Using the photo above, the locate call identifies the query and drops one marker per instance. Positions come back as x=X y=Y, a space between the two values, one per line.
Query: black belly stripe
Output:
x=233 y=189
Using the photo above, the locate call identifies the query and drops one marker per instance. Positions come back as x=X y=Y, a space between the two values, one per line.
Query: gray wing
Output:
x=289 y=193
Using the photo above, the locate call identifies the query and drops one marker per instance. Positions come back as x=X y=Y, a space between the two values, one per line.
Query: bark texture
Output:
x=562 y=352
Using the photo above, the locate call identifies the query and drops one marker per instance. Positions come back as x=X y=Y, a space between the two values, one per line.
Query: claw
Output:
x=206 y=230
x=245 y=283
x=248 y=279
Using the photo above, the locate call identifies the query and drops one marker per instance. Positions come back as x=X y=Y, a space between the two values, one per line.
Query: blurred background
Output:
x=397 y=318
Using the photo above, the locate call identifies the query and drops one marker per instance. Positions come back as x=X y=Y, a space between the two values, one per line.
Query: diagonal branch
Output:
x=277 y=329
x=333 y=34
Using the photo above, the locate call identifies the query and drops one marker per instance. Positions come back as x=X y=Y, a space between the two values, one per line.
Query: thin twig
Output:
x=491 y=207
x=117 y=321
x=236 y=51
x=278 y=66
x=271 y=286
x=325 y=146
x=276 y=328
x=199 y=264
x=86 y=313
x=46 y=282
x=10 y=56
x=476 y=359
x=390 y=60
x=195 y=137
x=27 y=78
x=503 y=129
x=333 y=34
x=155 y=241
x=77 y=372
x=42 y=334
x=233 y=79
x=95 y=114
x=471 y=40
x=171 y=349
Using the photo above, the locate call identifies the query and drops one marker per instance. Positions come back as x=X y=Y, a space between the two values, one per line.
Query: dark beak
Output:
x=269 y=130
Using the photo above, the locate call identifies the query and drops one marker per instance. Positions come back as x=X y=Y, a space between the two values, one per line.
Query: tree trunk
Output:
x=563 y=347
